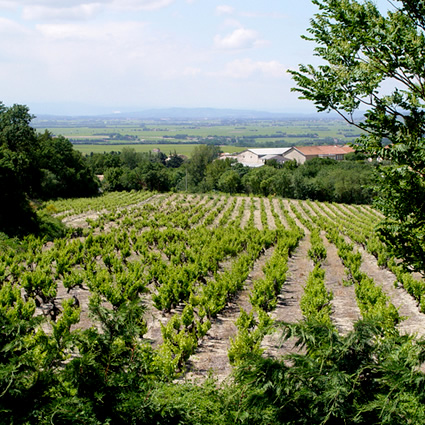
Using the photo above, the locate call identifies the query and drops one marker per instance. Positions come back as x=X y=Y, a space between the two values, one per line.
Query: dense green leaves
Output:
x=376 y=62
x=342 y=379
x=19 y=175
x=36 y=167
x=65 y=173
x=321 y=179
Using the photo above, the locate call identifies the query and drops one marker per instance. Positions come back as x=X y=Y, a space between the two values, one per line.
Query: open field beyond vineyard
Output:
x=215 y=271
x=98 y=136
x=168 y=149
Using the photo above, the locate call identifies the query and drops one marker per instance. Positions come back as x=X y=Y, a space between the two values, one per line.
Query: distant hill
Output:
x=202 y=113
x=187 y=114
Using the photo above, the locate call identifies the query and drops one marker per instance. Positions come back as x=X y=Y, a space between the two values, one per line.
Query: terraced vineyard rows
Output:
x=214 y=272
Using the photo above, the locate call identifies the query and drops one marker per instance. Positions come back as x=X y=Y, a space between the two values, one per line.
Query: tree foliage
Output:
x=65 y=173
x=201 y=156
x=137 y=171
x=358 y=378
x=19 y=176
x=375 y=62
x=35 y=167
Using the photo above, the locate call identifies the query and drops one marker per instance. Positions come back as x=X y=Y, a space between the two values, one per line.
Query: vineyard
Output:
x=210 y=274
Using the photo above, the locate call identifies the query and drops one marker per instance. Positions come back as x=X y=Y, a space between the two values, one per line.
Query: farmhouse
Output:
x=304 y=153
x=258 y=157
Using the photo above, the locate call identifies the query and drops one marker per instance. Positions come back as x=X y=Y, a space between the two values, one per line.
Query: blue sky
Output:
x=71 y=56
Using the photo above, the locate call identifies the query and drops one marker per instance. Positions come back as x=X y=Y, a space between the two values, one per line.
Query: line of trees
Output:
x=319 y=179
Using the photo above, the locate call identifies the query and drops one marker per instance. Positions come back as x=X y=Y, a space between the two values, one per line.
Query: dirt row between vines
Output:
x=414 y=320
x=211 y=354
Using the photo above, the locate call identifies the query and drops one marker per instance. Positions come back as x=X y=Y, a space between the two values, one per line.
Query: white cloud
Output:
x=270 y=15
x=77 y=61
x=224 y=10
x=118 y=31
x=7 y=4
x=11 y=28
x=83 y=11
x=191 y=71
x=46 y=3
x=37 y=7
x=240 y=38
x=246 y=68
x=231 y=23
x=102 y=55
x=140 y=4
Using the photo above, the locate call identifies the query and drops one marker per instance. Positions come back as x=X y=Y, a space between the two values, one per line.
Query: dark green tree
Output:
x=153 y=176
x=375 y=62
x=259 y=180
x=229 y=182
x=174 y=160
x=201 y=156
x=213 y=173
x=112 y=179
x=159 y=157
x=35 y=167
x=19 y=174
x=282 y=183
x=99 y=162
x=130 y=158
x=65 y=172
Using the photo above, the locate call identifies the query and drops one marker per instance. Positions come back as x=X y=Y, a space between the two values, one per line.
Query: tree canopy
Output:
x=19 y=176
x=34 y=166
x=374 y=63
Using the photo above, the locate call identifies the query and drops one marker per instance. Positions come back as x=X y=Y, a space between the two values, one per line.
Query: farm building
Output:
x=227 y=155
x=304 y=153
x=258 y=157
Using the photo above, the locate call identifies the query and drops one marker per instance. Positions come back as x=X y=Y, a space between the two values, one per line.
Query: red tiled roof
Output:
x=348 y=149
x=324 y=150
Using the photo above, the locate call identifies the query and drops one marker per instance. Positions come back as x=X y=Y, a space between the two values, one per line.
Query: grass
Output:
x=113 y=135
x=148 y=130
x=181 y=149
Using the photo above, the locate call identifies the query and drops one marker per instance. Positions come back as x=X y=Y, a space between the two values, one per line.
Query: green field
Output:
x=155 y=131
x=96 y=135
x=180 y=149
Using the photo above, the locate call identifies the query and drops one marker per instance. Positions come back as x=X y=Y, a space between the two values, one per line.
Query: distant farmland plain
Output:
x=180 y=148
x=106 y=135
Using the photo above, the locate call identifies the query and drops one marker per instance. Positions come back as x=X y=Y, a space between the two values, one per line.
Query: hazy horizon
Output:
x=69 y=109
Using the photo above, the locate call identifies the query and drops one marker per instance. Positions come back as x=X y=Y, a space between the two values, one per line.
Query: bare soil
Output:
x=247 y=213
x=223 y=206
x=236 y=209
x=80 y=220
x=288 y=307
x=211 y=355
x=276 y=205
x=257 y=214
x=344 y=306
x=287 y=204
x=81 y=295
x=405 y=303
x=270 y=219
